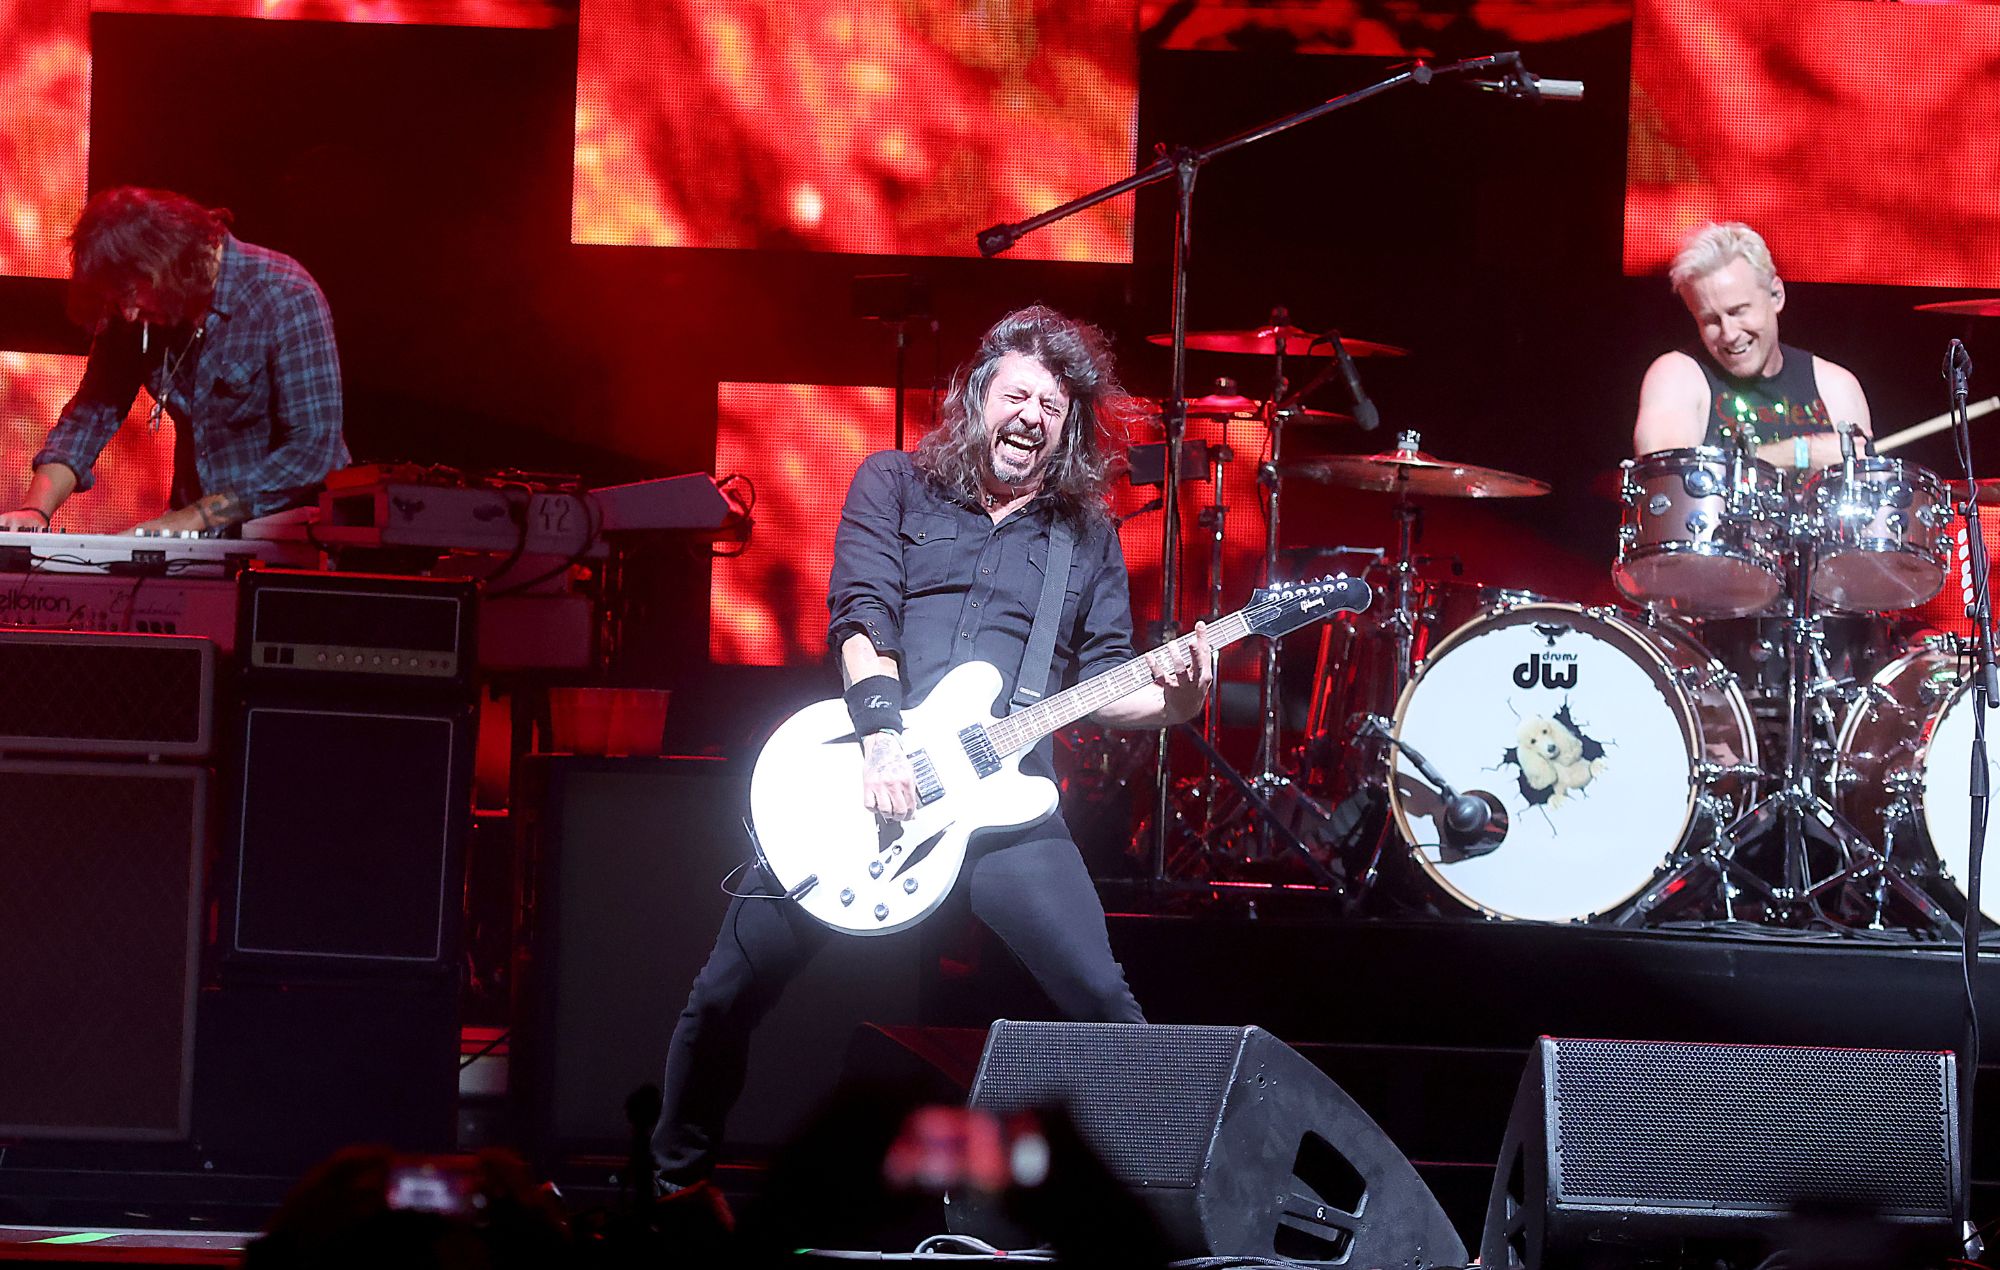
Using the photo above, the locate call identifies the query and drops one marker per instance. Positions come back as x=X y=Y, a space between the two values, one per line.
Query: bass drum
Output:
x=1903 y=774
x=1602 y=741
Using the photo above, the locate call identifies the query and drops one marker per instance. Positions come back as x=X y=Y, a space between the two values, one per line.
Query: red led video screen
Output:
x=44 y=132
x=1459 y=29
x=1862 y=139
x=134 y=474
x=487 y=13
x=868 y=126
x=800 y=443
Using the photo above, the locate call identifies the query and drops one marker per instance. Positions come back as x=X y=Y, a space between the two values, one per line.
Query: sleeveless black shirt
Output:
x=1774 y=408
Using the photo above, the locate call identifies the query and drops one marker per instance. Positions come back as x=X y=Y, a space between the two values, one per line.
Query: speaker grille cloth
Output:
x=1743 y=1126
x=1146 y=1098
x=96 y=915
x=75 y=690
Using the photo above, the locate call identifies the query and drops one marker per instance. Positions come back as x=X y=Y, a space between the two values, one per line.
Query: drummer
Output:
x=1742 y=382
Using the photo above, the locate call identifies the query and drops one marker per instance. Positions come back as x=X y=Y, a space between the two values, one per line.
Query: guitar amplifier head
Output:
x=346 y=630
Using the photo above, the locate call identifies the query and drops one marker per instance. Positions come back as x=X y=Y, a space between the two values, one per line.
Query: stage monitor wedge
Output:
x=1234 y=1141
x=1623 y=1152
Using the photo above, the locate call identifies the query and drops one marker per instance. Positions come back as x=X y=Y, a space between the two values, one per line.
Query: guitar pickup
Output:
x=979 y=749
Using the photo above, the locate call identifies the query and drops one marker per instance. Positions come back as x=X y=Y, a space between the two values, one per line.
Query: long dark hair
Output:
x=956 y=452
x=129 y=235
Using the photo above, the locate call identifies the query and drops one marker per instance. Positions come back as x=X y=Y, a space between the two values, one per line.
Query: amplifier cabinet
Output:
x=83 y=692
x=100 y=921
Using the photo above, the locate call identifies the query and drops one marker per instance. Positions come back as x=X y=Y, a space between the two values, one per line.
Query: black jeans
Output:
x=1033 y=891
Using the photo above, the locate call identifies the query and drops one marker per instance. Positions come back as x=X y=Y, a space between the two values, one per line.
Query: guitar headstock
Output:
x=1280 y=610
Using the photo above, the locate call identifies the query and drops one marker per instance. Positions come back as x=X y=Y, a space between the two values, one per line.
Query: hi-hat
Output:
x=1977 y=306
x=1266 y=340
x=1411 y=471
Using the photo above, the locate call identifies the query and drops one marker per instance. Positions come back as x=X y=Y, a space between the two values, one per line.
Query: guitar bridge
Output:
x=929 y=787
x=979 y=749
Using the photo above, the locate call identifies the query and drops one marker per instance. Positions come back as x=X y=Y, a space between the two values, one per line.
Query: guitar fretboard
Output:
x=1023 y=728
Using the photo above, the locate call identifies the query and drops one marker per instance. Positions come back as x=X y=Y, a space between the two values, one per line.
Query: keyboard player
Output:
x=232 y=340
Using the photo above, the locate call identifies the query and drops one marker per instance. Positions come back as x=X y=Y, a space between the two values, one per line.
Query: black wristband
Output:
x=48 y=521
x=875 y=704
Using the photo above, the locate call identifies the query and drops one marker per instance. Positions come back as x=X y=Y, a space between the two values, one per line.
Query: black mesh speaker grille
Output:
x=99 y=908
x=349 y=829
x=1147 y=1098
x=1752 y=1127
x=74 y=691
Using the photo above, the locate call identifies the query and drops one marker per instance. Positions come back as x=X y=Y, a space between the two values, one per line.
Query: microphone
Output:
x=1528 y=86
x=1958 y=369
x=1365 y=413
x=1474 y=823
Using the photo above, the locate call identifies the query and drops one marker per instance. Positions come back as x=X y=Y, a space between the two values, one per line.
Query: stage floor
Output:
x=1426 y=1023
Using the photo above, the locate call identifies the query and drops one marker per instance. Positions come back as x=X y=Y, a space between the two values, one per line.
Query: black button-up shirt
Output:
x=933 y=582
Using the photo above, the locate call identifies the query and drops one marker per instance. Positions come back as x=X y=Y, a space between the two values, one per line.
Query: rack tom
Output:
x=1881 y=531
x=1703 y=532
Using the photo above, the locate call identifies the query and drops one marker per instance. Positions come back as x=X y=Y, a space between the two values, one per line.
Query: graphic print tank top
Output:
x=1777 y=408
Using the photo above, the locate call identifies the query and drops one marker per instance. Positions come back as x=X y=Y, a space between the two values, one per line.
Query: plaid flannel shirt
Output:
x=257 y=394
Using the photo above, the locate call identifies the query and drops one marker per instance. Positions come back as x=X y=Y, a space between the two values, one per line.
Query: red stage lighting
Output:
x=853 y=125
x=134 y=474
x=44 y=132
x=1860 y=139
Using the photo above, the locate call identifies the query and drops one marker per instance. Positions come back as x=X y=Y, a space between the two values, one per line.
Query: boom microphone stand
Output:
x=1183 y=164
x=1958 y=373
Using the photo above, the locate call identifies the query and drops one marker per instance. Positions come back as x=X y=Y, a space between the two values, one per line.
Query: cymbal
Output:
x=1989 y=492
x=1229 y=405
x=1977 y=306
x=1265 y=340
x=1402 y=471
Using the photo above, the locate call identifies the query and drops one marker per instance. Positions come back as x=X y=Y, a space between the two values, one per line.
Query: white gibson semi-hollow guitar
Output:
x=866 y=875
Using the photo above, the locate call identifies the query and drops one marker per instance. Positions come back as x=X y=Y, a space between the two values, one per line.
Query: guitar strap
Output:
x=1041 y=654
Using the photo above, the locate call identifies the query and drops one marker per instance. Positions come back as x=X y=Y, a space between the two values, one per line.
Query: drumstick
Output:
x=1931 y=427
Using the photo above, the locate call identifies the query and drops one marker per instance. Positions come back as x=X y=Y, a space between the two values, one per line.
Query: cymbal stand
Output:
x=1272 y=478
x=1409 y=529
x=1214 y=519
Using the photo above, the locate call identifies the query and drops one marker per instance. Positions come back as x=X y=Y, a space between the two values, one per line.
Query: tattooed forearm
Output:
x=217 y=510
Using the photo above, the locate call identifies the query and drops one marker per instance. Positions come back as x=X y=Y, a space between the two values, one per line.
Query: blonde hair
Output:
x=1712 y=246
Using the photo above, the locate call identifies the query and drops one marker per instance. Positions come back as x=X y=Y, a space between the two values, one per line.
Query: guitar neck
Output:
x=1022 y=729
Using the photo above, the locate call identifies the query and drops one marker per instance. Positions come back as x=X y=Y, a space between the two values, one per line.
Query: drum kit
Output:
x=1776 y=729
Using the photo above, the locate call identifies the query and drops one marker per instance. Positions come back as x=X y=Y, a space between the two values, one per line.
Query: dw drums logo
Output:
x=1551 y=670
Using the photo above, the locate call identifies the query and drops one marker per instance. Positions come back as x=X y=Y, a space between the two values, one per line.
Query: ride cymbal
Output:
x=1411 y=471
x=1977 y=306
x=1263 y=341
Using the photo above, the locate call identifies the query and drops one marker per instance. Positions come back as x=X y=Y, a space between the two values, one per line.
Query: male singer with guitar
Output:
x=231 y=339
x=939 y=560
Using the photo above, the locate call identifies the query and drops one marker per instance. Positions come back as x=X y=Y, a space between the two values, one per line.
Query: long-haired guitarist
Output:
x=939 y=560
